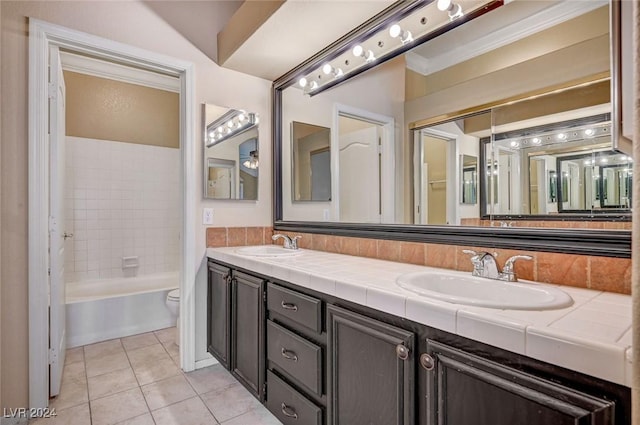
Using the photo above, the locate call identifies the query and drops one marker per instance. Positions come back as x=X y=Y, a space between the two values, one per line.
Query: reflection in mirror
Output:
x=230 y=154
x=311 y=149
x=488 y=62
x=469 y=179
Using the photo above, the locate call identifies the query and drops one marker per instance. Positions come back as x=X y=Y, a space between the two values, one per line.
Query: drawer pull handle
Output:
x=289 y=306
x=289 y=412
x=289 y=355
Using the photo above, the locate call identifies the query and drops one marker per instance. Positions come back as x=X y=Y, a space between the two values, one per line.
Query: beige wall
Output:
x=100 y=108
x=137 y=24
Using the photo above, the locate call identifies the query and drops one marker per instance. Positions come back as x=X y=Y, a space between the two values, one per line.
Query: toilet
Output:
x=173 y=304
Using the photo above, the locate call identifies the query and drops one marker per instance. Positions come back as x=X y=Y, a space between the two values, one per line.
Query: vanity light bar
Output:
x=557 y=136
x=229 y=125
x=422 y=22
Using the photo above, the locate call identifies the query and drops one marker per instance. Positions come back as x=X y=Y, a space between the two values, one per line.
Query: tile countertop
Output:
x=593 y=336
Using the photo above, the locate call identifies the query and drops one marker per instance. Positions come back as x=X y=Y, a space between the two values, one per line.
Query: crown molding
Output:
x=511 y=33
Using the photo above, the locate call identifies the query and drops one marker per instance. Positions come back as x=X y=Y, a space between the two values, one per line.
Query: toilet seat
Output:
x=174 y=295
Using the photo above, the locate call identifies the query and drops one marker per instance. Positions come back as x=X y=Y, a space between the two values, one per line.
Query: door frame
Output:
x=453 y=189
x=41 y=36
x=387 y=169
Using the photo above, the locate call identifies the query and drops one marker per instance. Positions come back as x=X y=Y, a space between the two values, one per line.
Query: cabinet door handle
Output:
x=289 y=306
x=427 y=362
x=289 y=412
x=289 y=355
x=402 y=352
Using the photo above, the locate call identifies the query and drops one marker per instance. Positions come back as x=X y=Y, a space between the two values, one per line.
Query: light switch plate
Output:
x=207 y=216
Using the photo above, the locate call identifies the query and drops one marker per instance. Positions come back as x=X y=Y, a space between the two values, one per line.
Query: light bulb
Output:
x=587 y=162
x=589 y=132
x=536 y=140
x=302 y=82
x=313 y=85
x=327 y=68
x=444 y=5
x=514 y=144
x=604 y=160
x=561 y=136
x=220 y=129
x=358 y=50
x=241 y=117
x=230 y=123
x=395 y=30
x=212 y=133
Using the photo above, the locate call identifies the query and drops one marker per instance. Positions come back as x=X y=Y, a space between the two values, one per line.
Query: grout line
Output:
x=138 y=381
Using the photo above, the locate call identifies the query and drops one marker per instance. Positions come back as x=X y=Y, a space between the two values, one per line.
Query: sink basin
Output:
x=482 y=292
x=268 y=251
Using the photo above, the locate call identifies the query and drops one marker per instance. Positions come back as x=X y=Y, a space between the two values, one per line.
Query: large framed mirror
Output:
x=231 y=155
x=444 y=90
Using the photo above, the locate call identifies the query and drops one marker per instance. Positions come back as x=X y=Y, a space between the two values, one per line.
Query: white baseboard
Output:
x=203 y=363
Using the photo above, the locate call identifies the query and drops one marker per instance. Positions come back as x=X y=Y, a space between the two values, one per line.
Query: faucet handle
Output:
x=508 y=270
x=294 y=241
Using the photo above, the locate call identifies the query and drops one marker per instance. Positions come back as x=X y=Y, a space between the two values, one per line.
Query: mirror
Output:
x=459 y=84
x=526 y=81
x=311 y=170
x=469 y=179
x=231 y=154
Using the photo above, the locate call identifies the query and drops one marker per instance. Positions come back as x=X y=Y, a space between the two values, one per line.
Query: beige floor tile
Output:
x=111 y=383
x=102 y=349
x=149 y=354
x=230 y=402
x=167 y=335
x=139 y=341
x=210 y=378
x=73 y=390
x=109 y=363
x=118 y=407
x=258 y=416
x=154 y=371
x=145 y=419
x=74 y=355
x=78 y=415
x=187 y=412
x=168 y=391
x=174 y=351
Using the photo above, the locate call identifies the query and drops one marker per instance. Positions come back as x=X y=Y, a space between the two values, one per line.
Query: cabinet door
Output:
x=464 y=389
x=248 y=332
x=218 y=303
x=371 y=371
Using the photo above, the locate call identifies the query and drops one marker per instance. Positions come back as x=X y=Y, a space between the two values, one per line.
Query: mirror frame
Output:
x=607 y=243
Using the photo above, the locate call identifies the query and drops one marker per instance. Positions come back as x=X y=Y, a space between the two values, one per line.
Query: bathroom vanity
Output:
x=325 y=338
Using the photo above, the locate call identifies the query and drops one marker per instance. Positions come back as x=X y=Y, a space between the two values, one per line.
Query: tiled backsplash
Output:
x=121 y=200
x=599 y=273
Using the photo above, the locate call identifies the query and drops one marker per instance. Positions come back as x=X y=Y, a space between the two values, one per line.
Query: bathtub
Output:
x=104 y=309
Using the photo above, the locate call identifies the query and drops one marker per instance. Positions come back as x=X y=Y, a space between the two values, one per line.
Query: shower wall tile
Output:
x=122 y=200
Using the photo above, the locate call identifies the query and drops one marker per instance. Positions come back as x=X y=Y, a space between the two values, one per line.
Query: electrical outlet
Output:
x=207 y=216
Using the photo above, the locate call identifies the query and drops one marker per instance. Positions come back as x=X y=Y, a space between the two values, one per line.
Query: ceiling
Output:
x=268 y=46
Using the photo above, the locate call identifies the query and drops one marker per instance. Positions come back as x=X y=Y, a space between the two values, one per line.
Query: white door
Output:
x=57 y=235
x=359 y=165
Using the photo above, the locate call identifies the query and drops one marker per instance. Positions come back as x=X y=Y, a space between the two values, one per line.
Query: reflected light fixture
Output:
x=252 y=162
x=328 y=69
x=359 y=52
x=514 y=144
x=536 y=141
x=229 y=125
x=589 y=132
x=396 y=31
x=561 y=136
x=453 y=9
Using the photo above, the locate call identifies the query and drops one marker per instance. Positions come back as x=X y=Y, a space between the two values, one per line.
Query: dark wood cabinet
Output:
x=371 y=371
x=464 y=389
x=248 y=332
x=218 y=308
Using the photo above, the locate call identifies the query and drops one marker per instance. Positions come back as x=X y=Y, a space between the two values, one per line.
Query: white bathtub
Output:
x=104 y=309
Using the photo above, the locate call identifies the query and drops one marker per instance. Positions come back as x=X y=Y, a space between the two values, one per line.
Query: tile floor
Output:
x=137 y=381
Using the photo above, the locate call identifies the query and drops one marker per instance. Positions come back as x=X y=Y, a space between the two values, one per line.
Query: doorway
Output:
x=362 y=155
x=42 y=37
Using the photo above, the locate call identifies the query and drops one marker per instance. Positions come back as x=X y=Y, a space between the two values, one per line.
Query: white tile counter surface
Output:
x=593 y=336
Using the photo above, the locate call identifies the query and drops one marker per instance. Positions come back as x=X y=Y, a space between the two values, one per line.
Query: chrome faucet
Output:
x=289 y=243
x=484 y=265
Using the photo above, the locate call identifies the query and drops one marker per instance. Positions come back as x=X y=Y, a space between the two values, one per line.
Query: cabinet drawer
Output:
x=301 y=308
x=296 y=356
x=288 y=405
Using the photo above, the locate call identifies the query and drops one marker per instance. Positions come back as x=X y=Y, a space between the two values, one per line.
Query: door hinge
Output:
x=264 y=296
x=53 y=356
x=264 y=389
